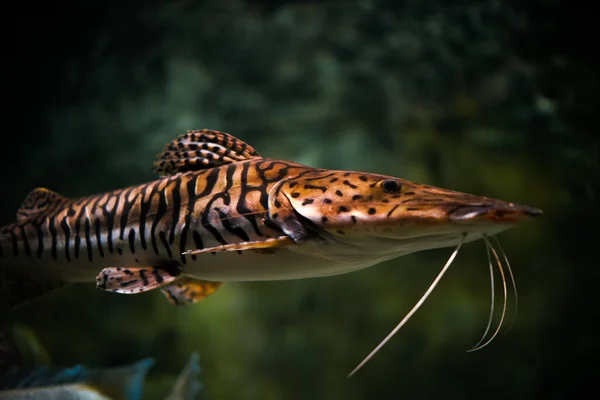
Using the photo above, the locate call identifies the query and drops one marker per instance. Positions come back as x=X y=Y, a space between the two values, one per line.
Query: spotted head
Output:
x=380 y=213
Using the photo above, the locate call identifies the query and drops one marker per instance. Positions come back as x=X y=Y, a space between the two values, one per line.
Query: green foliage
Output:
x=436 y=95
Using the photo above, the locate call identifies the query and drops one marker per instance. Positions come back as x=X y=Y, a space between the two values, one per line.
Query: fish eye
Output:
x=391 y=186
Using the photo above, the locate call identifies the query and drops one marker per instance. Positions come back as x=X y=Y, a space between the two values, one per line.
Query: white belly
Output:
x=294 y=262
x=252 y=266
x=312 y=259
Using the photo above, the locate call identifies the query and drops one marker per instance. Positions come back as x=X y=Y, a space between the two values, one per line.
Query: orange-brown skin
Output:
x=238 y=216
x=383 y=200
x=165 y=217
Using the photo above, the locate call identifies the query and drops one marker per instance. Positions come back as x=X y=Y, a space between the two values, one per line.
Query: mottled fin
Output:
x=19 y=289
x=38 y=203
x=270 y=243
x=135 y=279
x=187 y=386
x=201 y=149
x=189 y=290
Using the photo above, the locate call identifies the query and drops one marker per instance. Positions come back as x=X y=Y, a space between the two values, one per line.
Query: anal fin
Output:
x=19 y=289
x=189 y=290
x=135 y=279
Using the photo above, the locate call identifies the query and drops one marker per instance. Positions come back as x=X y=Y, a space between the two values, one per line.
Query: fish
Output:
x=20 y=382
x=219 y=212
x=78 y=382
x=43 y=382
x=75 y=382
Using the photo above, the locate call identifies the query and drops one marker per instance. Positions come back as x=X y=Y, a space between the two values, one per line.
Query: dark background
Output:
x=496 y=98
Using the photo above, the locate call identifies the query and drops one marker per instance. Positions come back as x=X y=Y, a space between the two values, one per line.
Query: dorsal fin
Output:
x=39 y=202
x=201 y=149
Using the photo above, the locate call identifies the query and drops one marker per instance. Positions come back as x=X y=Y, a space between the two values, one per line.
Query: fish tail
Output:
x=121 y=383
x=187 y=386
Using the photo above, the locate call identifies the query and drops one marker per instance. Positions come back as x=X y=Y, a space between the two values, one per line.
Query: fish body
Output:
x=220 y=213
x=76 y=383
x=152 y=224
x=43 y=382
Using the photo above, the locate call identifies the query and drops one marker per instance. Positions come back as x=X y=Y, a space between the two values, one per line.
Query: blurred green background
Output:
x=491 y=97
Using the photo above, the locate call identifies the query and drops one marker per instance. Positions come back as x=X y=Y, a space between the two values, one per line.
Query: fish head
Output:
x=387 y=215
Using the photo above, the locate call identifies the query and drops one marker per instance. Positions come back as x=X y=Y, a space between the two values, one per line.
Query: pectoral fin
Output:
x=270 y=243
x=135 y=279
x=189 y=290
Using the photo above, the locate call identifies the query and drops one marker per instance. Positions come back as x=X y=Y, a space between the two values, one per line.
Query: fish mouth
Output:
x=488 y=212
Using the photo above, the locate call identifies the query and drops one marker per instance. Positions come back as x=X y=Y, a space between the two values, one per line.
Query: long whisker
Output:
x=505 y=292
x=514 y=284
x=493 y=291
x=411 y=312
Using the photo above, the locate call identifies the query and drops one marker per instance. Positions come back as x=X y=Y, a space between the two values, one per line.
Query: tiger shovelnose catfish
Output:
x=220 y=212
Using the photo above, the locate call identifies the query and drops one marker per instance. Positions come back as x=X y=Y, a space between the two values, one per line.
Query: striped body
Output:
x=156 y=222
x=223 y=213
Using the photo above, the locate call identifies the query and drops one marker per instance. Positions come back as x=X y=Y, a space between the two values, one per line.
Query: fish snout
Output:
x=494 y=212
